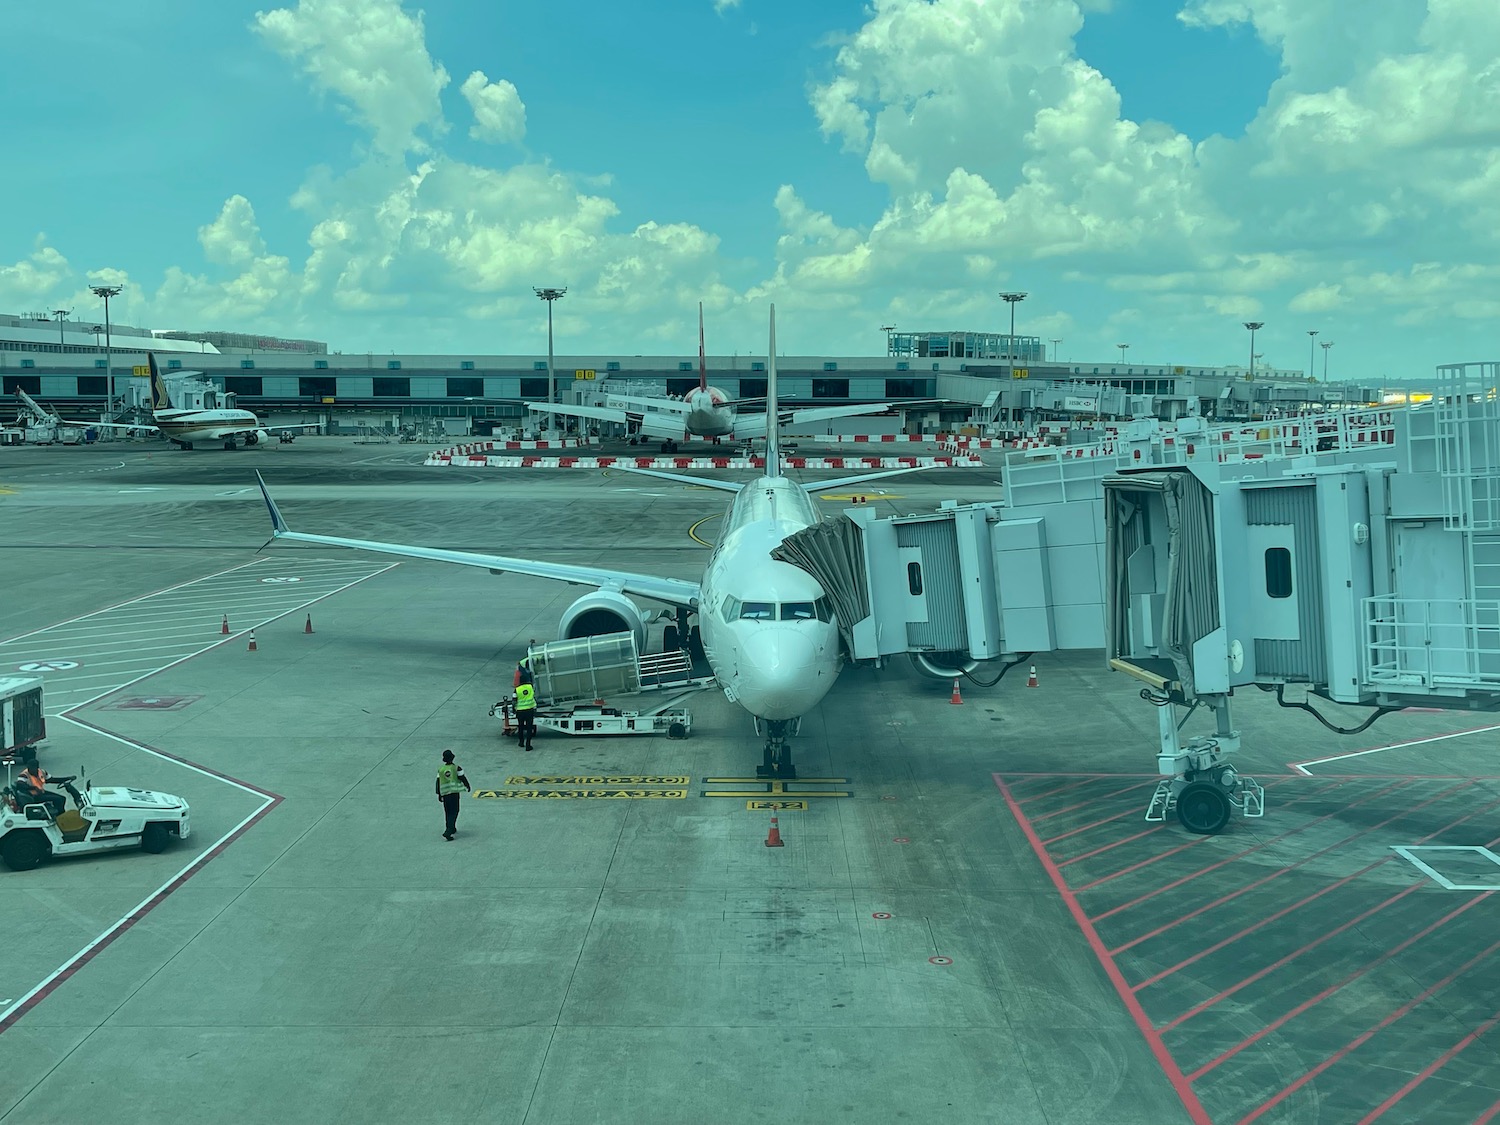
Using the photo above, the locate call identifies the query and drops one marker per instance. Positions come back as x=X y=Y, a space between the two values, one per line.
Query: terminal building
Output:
x=983 y=382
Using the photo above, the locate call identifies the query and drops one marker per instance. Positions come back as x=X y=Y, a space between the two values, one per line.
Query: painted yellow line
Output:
x=693 y=531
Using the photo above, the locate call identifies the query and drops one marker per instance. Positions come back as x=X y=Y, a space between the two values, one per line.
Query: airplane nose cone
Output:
x=780 y=676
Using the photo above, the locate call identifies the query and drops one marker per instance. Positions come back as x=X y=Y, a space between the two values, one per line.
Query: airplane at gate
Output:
x=184 y=426
x=767 y=627
x=704 y=412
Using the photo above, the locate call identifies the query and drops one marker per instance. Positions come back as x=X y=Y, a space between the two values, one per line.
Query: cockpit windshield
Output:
x=735 y=610
x=758 y=611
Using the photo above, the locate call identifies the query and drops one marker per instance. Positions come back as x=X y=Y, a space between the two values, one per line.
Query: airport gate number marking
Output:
x=775 y=806
x=775 y=788
x=47 y=666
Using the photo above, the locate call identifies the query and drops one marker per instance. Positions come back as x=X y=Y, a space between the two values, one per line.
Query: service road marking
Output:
x=47 y=666
x=1302 y=767
x=1409 y=853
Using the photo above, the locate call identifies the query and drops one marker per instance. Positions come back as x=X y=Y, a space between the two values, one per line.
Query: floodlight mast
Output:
x=1253 y=325
x=550 y=294
x=1012 y=299
x=108 y=291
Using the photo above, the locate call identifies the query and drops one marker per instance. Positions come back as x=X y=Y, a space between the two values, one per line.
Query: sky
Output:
x=395 y=178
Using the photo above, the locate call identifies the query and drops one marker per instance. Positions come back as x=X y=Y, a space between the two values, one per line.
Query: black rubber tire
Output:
x=677 y=730
x=1203 y=808
x=695 y=642
x=670 y=641
x=155 y=838
x=23 y=851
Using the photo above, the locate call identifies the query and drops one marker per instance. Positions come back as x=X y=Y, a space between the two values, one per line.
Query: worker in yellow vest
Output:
x=525 y=714
x=450 y=780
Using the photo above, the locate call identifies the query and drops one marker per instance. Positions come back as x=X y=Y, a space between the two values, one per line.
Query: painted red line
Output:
x=1365 y=1037
x=1281 y=1021
x=1062 y=789
x=1211 y=1001
x=1086 y=827
x=1194 y=842
x=1159 y=1050
x=1284 y=870
x=1237 y=855
x=1427 y=1071
x=1113 y=844
x=1288 y=959
x=1488 y=1115
x=1253 y=926
x=1101 y=797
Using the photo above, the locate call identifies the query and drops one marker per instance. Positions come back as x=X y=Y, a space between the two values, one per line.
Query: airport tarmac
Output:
x=983 y=930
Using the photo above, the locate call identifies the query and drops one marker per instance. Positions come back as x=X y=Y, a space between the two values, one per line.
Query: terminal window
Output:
x=465 y=388
x=317 y=386
x=830 y=388
x=93 y=385
x=31 y=384
x=320 y=365
x=534 y=389
x=466 y=365
x=243 y=385
x=247 y=364
x=392 y=388
x=907 y=388
x=680 y=387
x=752 y=388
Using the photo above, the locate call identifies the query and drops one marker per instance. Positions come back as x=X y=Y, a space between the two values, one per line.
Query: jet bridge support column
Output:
x=1198 y=781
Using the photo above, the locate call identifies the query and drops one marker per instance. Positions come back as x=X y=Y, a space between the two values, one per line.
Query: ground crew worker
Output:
x=34 y=778
x=523 y=667
x=525 y=714
x=450 y=778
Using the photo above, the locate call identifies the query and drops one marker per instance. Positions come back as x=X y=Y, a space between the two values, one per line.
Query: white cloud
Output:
x=722 y=6
x=372 y=54
x=30 y=283
x=499 y=114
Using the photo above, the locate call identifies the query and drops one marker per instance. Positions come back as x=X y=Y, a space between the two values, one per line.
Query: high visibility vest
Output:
x=525 y=698
x=448 y=779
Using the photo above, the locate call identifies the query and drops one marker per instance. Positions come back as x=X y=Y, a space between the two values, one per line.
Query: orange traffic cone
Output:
x=252 y=641
x=308 y=627
x=224 y=628
x=956 y=697
x=1031 y=677
x=773 y=838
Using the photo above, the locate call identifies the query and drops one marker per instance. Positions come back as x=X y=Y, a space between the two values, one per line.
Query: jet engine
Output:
x=605 y=611
x=943 y=665
x=255 y=437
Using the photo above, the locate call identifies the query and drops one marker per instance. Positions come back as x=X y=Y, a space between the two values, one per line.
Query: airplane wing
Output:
x=146 y=426
x=754 y=425
x=671 y=591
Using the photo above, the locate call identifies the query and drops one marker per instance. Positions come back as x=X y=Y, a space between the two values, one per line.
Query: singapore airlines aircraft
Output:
x=705 y=412
x=767 y=628
x=186 y=426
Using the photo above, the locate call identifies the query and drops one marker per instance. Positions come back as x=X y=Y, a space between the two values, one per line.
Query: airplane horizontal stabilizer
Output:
x=843 y=482
x=683 y=478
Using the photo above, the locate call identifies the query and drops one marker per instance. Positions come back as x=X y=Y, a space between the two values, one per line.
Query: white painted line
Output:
x=1407 y=852
x=1300 y=767
x=132 y=601
x=125 y=918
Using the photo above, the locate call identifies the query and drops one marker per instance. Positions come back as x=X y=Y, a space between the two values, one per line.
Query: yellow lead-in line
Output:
x=693 y=531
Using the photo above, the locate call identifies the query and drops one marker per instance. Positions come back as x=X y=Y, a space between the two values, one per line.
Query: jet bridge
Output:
x=1312 y=578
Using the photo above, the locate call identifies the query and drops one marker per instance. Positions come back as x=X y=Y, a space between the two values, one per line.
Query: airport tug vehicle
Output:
x=102 y=820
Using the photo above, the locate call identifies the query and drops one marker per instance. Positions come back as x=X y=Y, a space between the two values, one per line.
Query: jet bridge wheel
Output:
x=1203 y=807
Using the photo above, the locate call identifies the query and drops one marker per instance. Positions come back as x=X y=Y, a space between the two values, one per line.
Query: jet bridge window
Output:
x=1278 y=572
x=758 y=611
x=914 y=578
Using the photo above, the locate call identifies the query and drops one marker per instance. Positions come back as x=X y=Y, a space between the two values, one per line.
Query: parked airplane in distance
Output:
x=184 y=426
x=767 y=627
x=704 y=412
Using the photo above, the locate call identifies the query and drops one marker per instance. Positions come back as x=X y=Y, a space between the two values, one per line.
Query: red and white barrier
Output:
x=491 y=461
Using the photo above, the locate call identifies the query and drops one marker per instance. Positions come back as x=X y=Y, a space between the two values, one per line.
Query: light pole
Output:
x=1055 y=342
x=888 y=329
x=1012 y=299
x=62 y=317
x=108 y=291
x=1122 y=348
x=1312 y=338
x=1253 y=325
x=549 y=295
x=1325 y=345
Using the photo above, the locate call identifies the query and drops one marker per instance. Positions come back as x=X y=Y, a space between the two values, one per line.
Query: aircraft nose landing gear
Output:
x=1198 y=783
x=777 y=759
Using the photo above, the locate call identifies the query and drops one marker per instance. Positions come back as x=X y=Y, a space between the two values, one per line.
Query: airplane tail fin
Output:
x=159 y=398
x=773 y=413
x=702 y=357
x=278 y=524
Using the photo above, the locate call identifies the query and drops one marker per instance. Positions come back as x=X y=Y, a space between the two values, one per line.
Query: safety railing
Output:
x=1438 y=645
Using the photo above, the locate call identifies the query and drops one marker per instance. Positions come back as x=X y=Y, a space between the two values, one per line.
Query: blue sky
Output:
x=395 y=178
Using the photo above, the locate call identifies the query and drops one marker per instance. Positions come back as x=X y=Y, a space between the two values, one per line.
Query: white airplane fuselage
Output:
x=188 y=426
x=708 y=412
x=767 y=628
